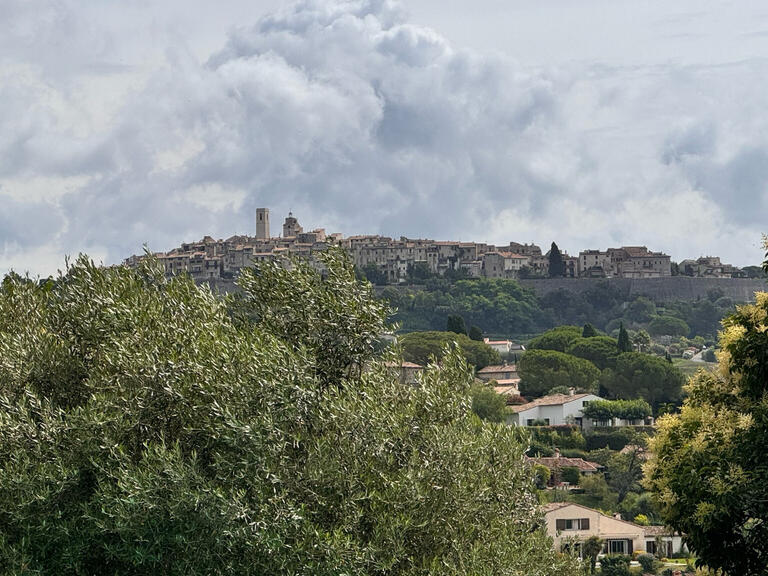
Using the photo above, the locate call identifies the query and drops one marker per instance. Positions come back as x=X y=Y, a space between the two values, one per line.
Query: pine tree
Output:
x=556 y=264
x=624 y=344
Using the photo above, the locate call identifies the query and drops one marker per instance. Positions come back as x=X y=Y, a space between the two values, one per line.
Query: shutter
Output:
x=585 y=523
x=560 y=524
x=630 y=547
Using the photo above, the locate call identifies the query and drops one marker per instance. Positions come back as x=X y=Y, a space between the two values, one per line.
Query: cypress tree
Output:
x=556 y=264
x=624 y=344
x=456 y=324
x=588 y=331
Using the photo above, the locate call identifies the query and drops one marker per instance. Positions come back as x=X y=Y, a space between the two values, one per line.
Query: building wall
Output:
x=658 y=289
x=605 y=527
x=557 y=415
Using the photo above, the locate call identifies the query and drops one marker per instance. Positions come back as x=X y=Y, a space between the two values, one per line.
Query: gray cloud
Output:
x=360 y=120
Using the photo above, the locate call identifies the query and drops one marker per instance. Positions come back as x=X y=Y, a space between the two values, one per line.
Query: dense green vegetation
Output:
x=711 y=460
x=606 y=410
x=420 y=347
x=561 y=358
x=499 y=306
x=148 y=427
x=617 y=488
x=542 y=370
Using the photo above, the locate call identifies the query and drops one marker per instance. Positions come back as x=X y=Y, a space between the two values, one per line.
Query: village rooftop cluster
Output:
x=395 y=261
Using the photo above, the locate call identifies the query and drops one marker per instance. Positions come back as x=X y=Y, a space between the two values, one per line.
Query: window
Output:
x=572 y=524
x=618 y=547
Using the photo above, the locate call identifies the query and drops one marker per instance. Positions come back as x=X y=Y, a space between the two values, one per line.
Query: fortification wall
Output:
x=657 y=289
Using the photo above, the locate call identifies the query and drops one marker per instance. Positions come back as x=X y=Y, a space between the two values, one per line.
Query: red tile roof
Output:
x=498 y=368
x=563 y=462
x=553 y=400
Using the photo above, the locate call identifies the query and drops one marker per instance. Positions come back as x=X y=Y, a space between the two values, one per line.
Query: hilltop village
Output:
x=394 y=261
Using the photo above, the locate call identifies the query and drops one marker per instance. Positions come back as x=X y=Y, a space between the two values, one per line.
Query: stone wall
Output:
x=657 y=289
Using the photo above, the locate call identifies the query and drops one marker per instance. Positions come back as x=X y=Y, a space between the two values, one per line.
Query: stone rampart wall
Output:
x=657 y=289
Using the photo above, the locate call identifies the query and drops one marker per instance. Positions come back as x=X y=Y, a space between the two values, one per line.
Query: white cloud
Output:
x=359 y=120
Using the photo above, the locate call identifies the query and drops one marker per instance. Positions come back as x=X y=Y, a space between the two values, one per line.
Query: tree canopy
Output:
x=606 y=410
x=150 y=428
x=710 y=462
x=668 y=325
x=541 y=370
x=455 y=324
x=559 y=339
x=602 y=351
x=640 y=375
x=419 y=347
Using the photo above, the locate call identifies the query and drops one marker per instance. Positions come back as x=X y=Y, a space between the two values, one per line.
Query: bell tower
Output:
x=262 y=224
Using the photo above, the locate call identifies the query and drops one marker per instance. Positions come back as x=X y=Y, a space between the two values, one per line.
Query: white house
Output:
x=554 y=410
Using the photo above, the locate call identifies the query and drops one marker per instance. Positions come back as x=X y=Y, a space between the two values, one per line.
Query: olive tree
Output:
x=149 y=426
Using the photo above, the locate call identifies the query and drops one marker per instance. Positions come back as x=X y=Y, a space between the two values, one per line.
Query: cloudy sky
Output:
x=591 y=123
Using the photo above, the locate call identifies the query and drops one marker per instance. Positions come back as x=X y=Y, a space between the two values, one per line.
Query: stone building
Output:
x=707 y=267
x=262 y=223
x=291 y=227
x=400 y=260
x=624 y=262
x=639 y=262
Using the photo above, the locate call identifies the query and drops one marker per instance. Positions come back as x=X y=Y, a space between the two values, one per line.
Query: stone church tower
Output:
x=291 y=227
x=262 y=224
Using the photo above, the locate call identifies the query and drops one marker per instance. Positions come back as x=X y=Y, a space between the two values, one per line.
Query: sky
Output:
x=590 y=123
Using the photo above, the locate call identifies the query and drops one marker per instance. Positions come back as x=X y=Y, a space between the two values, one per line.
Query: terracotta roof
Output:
x=552 y=506
x=498 y=368
x=506 y=390
x=562 y=462
x=403 y=365
x=553 y=400
x=555 y=506
x=657 y=531
x=508 y=382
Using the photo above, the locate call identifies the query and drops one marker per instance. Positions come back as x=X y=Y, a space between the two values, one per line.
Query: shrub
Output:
x=570 y=474
x=614 y=565
x=615 y=439
x=648 y=563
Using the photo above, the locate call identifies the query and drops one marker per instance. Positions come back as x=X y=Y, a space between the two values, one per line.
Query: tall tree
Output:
x=455 y=323
x=591 y=549
x=623 y=343
x=710 y=461
x=475 y=333
x=556 y=263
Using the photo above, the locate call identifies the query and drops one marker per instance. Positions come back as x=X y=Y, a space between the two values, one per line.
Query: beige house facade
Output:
x=570 y=524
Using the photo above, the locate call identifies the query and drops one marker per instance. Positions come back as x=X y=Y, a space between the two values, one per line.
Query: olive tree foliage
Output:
x=148 y=427
x=710 y=462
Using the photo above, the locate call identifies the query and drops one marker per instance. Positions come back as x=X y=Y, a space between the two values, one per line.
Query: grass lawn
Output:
x=689 y=367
